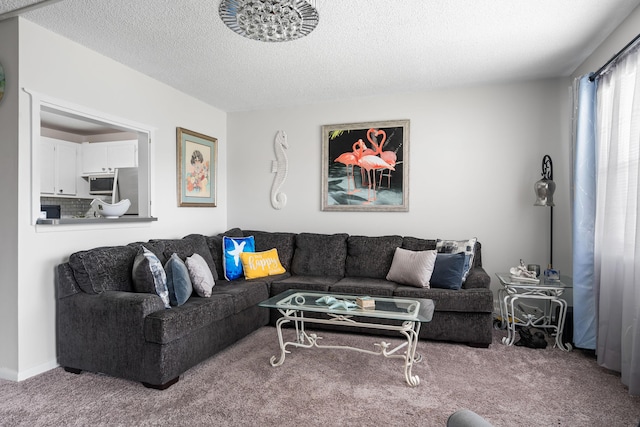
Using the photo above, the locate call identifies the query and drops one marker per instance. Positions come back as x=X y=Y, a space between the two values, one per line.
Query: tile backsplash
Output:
x=69 y=207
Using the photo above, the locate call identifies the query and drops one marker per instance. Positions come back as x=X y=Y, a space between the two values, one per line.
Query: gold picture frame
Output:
x=197 y=165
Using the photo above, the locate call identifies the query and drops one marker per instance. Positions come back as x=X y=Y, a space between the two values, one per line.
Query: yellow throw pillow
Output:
x=261 y=264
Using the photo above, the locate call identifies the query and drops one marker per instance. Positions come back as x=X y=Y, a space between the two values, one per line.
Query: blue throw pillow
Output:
x=457 y=246
x=178 y=281
x=448 y=271
x=232 y=247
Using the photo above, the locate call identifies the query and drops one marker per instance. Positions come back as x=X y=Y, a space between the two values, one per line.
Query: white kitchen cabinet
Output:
x=58 y=167
x=105 y=157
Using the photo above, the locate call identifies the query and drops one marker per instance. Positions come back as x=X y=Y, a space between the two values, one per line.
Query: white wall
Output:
x=9 y=197
x=475 y=153
x=62 y=69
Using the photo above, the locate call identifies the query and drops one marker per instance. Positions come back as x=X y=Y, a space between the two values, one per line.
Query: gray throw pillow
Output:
x=413 y=268
x=200 y=275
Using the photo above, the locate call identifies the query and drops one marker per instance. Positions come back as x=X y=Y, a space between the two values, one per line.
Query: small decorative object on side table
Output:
x=550 y=292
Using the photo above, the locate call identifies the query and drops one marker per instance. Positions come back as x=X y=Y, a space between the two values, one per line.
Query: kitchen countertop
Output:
x=94 y=220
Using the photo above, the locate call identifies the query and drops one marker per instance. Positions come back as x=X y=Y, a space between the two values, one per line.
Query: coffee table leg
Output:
x=411 y=357
x=274 y=361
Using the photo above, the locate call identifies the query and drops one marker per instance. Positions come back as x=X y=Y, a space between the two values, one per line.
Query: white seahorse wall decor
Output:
x=279 y=167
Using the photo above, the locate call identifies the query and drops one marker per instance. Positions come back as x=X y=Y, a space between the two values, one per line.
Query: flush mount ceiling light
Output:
x=270 y=20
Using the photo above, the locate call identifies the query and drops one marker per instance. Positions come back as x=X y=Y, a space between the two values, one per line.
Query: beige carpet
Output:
x=509 y=386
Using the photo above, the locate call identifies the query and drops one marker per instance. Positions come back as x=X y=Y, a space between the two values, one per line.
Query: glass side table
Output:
x=514 y=290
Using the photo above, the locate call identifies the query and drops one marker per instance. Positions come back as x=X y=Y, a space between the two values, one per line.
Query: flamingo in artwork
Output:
x=373 y=163
x=351 y=159
x=389 y=157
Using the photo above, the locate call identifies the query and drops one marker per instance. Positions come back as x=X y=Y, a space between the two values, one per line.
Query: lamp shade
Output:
x=544 y=190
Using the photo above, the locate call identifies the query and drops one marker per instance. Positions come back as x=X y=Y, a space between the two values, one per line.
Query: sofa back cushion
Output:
x=184 y=248
x=104 y=269
x=417 y=244
x=370 y=256
x=320 y=254
x=284 y=242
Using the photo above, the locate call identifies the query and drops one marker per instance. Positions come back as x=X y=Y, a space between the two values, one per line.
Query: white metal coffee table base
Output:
x=410 y=329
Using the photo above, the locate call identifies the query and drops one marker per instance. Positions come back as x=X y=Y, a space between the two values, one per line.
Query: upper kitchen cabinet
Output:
x=58 y=167
x=106 y=157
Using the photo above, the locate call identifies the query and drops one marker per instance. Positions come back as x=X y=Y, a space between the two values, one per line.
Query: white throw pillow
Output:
x=200 y=274
x=413 y=268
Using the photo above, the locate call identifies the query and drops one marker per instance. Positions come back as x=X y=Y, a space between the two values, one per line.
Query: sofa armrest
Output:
x=477 y=278
x=104 y=332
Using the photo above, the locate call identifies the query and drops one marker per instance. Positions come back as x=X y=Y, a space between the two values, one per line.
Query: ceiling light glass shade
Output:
x=269 y=20
x=544 y=192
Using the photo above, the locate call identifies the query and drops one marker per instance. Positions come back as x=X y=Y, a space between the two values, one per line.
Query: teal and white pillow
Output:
x=232 y=247
x=149 y=275
x=458 y=246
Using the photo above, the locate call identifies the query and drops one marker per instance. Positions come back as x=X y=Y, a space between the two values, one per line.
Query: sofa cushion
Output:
x=470 y=300
x=104 y=269
x=165 y=326
x=149 y=276
x=261 y=264
x=413 y=268
x=416 y=244
x=448 y=271
x=233 y=232
x=364 y=286
x=306 y=283
x=284 y=242
x=457 y=246
x=157 y=247
x=215 y=248
x=244 y=293
x=191 y=244
x=200 y=275
x=370 y=256
x=232 y=247
x=178 y=281
x=320 y=254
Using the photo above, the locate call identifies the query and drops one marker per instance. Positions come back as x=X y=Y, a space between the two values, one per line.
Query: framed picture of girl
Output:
x=196 y=168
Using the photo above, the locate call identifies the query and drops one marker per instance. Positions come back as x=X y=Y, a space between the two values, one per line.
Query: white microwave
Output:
x=102 y=184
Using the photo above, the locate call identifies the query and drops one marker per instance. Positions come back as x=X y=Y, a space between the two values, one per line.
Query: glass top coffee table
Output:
x=340 y=309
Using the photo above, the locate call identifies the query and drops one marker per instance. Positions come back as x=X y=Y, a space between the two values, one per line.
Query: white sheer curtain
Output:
x=617 y=225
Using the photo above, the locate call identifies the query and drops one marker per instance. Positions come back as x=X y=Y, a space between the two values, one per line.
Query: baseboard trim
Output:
x=8 y=374
x=12 y=375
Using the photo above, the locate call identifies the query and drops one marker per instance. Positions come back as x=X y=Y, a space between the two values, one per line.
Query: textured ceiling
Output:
x=359 y=49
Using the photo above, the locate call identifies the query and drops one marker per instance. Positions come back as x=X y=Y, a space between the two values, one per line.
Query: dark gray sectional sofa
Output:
x=104 y=326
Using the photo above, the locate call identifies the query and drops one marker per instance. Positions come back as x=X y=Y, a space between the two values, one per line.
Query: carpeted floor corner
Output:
x=509 y=386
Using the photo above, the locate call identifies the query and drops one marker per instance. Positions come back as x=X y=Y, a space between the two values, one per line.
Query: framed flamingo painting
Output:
x=196 y=168
x=365 y=166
